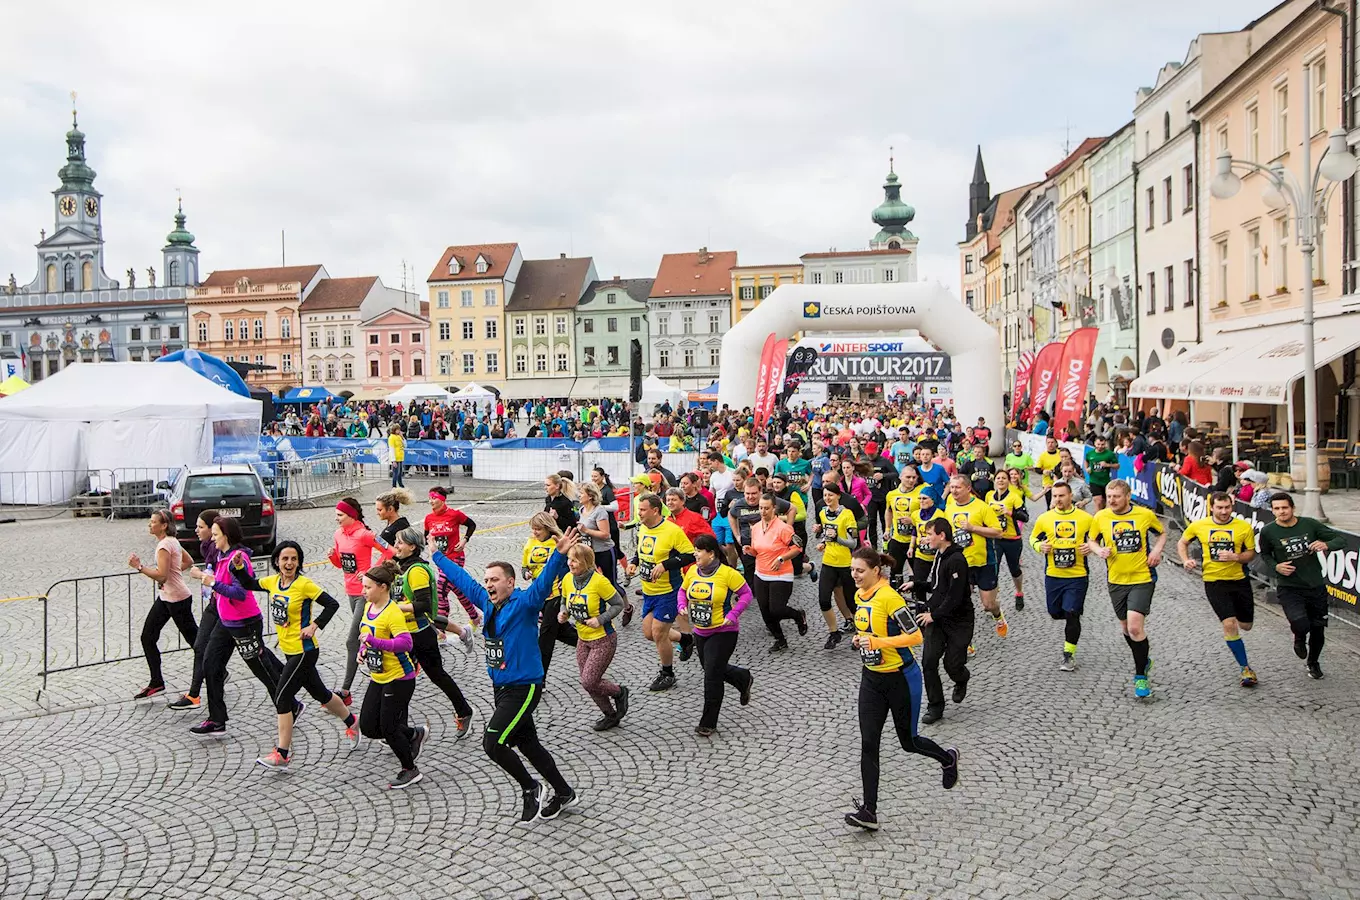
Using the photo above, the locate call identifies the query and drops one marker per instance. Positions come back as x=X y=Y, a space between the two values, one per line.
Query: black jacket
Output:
x=878 y=489
x=951 y=596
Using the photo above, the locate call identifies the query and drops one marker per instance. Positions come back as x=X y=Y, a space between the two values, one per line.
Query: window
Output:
x=635 y=323
x=347 y=338
x=372 y=368
x=258 y=331
x=663 y=324
x=560 y=325
x=489 y=297
x=967 y=265
x=373 y=340
x=492 y=329
x=396 y=367
x=1320 y=253
x=243 y=329
x=1189 y=282
x=286 y=327
x=587 y=326
x=562 y=360
x=174 y=332
x=394 y=337
x=415 y=336
x=228 y=332
x=766 y=290
x=748 y=292
x=889 y=274
x=493 y=362
x=155 y=333
x=1317 y=79
x=838 y=277
x=1282 y=254
x=330 y=337
x=612 y=356
x=230 y=358
x=348 y=370
x=1222 y=138
x=1166 y=126
x=1281 y=118
x=286 y=364
x=330 y=371
x=589 y=357
x=1188 y=186
x=1152 y=293
x=1170 y=302
x=1253 y=132
x=1221 y=262
x=816 y=277
x=442 y=300
x=689 y=358
x=540 y=326
x=202 y=332
x=134 y=355
x=469 y=363
x=540 y=362
x=418 y=367
x=968 y=299
x=1151 y=208
x=313 y=339
x=1254 y=264
x=521 y=364
x=663 y=358
x=481 y=265
x=687 y=323
x=611 y=298
x=445 y=330
x=519 y=326
x=467 y=329
x=465 y=298
x=445 y=364
x=611 y=324
x=315 y=371
x=1166 y=199
x=714 y=323
x=714 y=356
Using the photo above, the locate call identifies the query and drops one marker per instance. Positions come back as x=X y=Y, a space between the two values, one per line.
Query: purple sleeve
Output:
x=231 y=588
x=682 y=600
x=743 y=600
x=401 y=643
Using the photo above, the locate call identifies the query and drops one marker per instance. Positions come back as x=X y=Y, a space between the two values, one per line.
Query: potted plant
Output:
x=1253 y=297
x=1222 y=304
x=1282 y=289
x=1319 y=282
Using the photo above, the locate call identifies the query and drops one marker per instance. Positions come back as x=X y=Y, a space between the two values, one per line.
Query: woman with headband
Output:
x=352 y=554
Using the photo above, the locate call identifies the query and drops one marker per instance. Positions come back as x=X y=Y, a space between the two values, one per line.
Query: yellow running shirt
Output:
x=587 y=602
x=291 y=611
x=1005 y=507
x=709 y=600
x=923 y=550
x=977 y=514
x=381 y=665
x=654 y=548
x=832 y=528
x=874 y=616
x=1235 y=537
x=536 y=555
x=1127 y=536
x=1066 y=531
x=900 y=505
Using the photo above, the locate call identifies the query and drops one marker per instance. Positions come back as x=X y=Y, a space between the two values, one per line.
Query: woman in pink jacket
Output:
x=353 y=553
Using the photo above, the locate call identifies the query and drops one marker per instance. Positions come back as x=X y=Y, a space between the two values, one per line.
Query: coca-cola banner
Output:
x=1042 y=377
x=1074 y=374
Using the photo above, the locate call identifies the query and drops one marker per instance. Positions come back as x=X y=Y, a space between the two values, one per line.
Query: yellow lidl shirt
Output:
x=874 y=616
x=655 y=546
x=1127 y=536
x=900 y=505
x=1005 y=507
x=1046 y=463
x=709 y=600
x=833 y=527
x=397 y=444
x=291 y=610
x=799 y=506
x=1066 y=531
x=383 y=665
x=536 y=555
x=920 y=521
x=1234 y=537
x=587 y=602
x=977 y=514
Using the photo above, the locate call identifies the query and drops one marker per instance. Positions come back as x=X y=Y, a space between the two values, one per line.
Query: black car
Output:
x=232 y=490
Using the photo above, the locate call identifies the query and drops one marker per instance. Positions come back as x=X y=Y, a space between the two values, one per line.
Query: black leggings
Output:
x=247 y=639
x=831 y=578
x=899 y=693
x=900 y=553
x=383 y=715
x=207 y=624
x=878 y=518
x=1072 y=628
x=299 y=673
x=512 y=726
x=425 y=648
x=550 y=632
x=605 y=562
x=773 y=597
x=182 y=611
x=714 y=652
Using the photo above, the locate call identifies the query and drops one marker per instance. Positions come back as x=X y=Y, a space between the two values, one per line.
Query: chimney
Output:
x=703 y=254
x=616 y=278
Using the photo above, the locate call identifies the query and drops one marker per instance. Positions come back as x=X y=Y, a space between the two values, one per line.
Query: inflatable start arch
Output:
x=974 y=346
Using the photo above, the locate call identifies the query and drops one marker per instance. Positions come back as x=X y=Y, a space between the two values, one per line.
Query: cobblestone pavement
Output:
x=1070 y=787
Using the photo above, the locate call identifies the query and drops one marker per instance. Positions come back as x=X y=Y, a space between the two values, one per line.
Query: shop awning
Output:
x=534 y=388
x=1255 y=361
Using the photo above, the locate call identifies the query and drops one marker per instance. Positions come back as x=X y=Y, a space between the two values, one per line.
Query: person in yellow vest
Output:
x=975 y=526
x=1060 y=536
x=1008 y=501
x=397 y=445
x=900 y=503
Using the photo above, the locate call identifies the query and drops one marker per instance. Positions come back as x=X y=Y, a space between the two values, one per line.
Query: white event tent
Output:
x=474 y=392
x=656 y=392
x=426 y=391
x=84 y=423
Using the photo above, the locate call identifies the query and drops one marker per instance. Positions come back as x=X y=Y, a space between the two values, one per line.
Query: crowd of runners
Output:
x=894 y=515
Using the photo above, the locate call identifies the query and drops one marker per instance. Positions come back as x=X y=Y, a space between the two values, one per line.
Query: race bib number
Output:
x=1217 y=547
x=1128 y=541
x=870 y=657
x=278 y=609
x=349 y=563
x=578 y=611
x=903 y=529
x=249 y=647
x=441 y=542
x=701 y=615
x=495 y=653
x=645 y=569
x=963 y=539
x=1064 y=557
x=373 y=660
x=1296 y=547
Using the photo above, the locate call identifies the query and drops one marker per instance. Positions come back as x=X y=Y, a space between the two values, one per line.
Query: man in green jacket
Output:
x=1292 y=544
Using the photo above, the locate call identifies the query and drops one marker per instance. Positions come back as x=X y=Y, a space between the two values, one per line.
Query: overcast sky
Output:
x=377 y=133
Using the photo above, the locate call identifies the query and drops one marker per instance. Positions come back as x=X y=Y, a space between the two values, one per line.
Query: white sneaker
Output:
x=465 y=638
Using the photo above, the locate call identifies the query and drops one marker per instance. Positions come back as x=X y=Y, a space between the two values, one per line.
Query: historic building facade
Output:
x=609 y=317
x=468 y=289
x=690 y=310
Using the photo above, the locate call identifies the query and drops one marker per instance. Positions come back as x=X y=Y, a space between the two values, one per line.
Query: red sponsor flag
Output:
x=1074 y=373
x=1023 y=366
x=778 y=362
x=1042 y=376
x=763 y=376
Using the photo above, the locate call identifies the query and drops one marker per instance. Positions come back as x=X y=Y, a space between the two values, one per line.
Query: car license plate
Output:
x=231 y=512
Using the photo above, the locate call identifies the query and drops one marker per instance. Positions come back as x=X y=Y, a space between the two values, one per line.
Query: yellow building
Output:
x=752 y=284
x=468 y=290
x=1074 y=239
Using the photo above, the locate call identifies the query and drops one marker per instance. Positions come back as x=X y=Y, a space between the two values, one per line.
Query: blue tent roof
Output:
x=309 y=395
x=711 y=389
x=211 y=368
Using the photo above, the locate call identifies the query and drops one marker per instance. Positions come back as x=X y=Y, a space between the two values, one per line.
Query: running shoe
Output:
x=346 y=697
x=1301 y=646
x=1002 y=629
x=534 y=799
x=605 y=723
x=951 y=771
x=462 y=726
x=705 y=731
x=184 y=702
x=833 y=641
x=353 y=736
x=209 y=728
x=746 y=691
x=275 y=760
x=1019 y=602
x=150 y=690
x=848 y=627
x=1069 y=663
x=1248 y=677
x=1147 y=670
x=686 y=647
x=621 y=702
x=405 y=778
x=664 y=681
x=465 y=639
x=812 y=572
x=298 y=707
x=972 y=651
x=779 y=646
x=1315 y=671
x=931 y=716
x=862 y=817
x=802 y=622
x=960 y=691
x=557 y=803
x=418 y=739
x=627 y=612
x=1141 y=688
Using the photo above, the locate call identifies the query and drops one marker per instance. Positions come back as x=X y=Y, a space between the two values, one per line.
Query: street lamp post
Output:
x=1336 y=165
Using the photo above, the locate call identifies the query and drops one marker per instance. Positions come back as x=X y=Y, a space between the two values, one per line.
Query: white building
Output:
x=1110 y=179
x=333 y=349
x=688 y=312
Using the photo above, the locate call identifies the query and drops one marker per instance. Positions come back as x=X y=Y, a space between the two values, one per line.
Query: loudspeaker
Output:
x=635 y=372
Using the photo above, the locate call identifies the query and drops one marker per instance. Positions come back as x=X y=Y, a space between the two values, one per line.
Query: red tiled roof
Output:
x=276 y=275
x=1083 y=148
x=832 y=255
x=497 y=258
x=1005 y=213
x=338 y=293
x=701 y=274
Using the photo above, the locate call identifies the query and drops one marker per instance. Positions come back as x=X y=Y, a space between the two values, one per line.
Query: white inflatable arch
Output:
x=973 y=346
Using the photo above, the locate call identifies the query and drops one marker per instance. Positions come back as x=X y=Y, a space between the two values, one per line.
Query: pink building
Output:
x=396 y=348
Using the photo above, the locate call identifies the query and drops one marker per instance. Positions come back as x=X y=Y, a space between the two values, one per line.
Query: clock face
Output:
x=68 y=206
x=91 y=207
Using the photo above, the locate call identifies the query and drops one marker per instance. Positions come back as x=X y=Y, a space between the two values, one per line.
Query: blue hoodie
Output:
x=516 y=620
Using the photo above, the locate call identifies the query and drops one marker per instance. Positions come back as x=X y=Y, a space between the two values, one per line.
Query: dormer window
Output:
x=453 y=265
x=482 y=265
